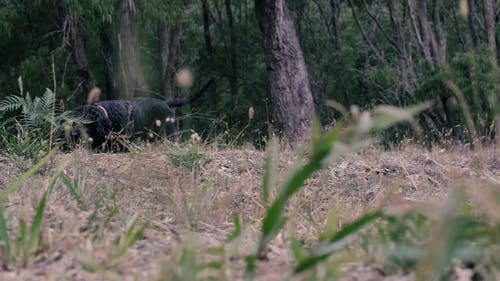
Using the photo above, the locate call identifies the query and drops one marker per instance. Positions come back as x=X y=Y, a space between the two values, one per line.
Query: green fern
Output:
x=36 y=119
x=11 y=103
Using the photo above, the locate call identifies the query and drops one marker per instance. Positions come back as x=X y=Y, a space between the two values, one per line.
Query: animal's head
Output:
x=91 y=124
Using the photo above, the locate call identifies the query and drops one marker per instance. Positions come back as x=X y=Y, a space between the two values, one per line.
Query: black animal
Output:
x=135 y=118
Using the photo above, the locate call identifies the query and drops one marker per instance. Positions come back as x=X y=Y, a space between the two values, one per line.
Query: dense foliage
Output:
x=357 y=52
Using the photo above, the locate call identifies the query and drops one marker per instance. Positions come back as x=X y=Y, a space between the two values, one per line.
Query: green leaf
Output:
x=337 y=241
x=37 y=224
x=4 y=238
x=73 y=189
x=298 y=252
x=270 y=167
x=237 y=229
x=14 y=185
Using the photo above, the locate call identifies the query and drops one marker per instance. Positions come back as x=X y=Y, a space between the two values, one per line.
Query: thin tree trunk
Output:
x=79 y=55
x=208 y=45
x=439 y=34
x=470 y=20
x=290 y=90
x=233 y=59
x=169 y=44
x=489 y=19
x=112 y=91
x=206 y=32
x=73 y=42
x=335 y=7
x=404 y=60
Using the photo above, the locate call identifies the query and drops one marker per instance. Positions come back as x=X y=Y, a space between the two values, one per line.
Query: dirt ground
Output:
x=194 y=208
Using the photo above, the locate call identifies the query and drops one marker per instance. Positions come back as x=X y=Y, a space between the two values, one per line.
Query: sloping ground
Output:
x=193 y=208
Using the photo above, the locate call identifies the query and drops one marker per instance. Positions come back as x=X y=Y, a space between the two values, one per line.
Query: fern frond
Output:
x=11 y=103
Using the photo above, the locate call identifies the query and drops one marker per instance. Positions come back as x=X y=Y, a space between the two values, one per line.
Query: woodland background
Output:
x=363 y=52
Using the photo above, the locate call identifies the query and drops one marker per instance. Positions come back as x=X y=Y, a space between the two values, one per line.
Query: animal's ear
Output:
x=94 y=95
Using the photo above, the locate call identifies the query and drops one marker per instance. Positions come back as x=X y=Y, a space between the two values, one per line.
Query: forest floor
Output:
x=190 y=210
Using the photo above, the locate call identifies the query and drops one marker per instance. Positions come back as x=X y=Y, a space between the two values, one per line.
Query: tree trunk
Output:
x=210 y=64
x=129 y=75
x=69 y=23
x=290 y=91
x=470 y=21
x=404 y=60
x=87 y=80
x=439 y=34
x=112 y=90
x=489 y=20
x=233 y=68
x=169 y=44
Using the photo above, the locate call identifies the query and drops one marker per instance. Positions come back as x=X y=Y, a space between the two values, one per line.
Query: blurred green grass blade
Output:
x=73 y=189
x=188 y=264
x=132 y=234
x=237 y=229
x=37 y=224
x=297 y=250
x=21 y=240
x=250 y=266
x=270 y=167
x=271 y=233
x=385 y=116
x=131 y=227
x=14 y=185
x=273 y=220
x=4 y=238
x=356 y=225
x=110 y=216
x=210 y=265
x=337 y=241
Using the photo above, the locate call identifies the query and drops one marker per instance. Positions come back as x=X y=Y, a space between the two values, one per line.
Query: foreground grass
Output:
x=143 y=216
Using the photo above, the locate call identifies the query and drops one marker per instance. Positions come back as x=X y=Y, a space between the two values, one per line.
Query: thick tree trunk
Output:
x=290 y=90
x=169 y=43
x=489 y=20
x=129 y=74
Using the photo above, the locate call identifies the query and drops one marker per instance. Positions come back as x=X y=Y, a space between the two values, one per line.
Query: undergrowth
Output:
x=429 y=244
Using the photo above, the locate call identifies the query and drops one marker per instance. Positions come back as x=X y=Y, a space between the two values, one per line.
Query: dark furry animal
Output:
x=135 y=118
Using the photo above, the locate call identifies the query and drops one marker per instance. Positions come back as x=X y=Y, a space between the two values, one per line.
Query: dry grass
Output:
x=193 y=208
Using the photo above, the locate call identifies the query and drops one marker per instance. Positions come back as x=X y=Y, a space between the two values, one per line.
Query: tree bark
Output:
x=73 y=42
x=233 y=58
x=489 y=20
x=112 y=90
x=169 y=44
x=433 y=39
x=79 y=55
x=210 y=63
x=470 y=21
x=129 y=74
x=287 y=73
